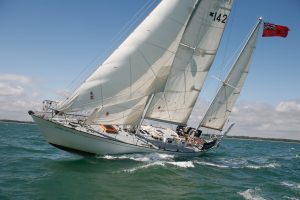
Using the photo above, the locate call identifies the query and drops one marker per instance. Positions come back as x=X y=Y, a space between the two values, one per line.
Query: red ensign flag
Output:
x=275 y=30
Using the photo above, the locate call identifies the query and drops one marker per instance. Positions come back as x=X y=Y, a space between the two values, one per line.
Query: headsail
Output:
x=118 y=90
x=196 y=52
x=220 y=108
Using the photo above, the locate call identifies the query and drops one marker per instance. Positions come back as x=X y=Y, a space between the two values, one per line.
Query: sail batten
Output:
x=221 y=106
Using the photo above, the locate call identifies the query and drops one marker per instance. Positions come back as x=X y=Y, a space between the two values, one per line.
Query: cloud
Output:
x=265 y=120
x=288 y=106
x=9 y=90
x=15 y=78
x=13 y=84
x=17 y=96
x=262 y=119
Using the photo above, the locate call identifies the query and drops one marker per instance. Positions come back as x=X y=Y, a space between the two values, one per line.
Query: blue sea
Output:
x=30 y=168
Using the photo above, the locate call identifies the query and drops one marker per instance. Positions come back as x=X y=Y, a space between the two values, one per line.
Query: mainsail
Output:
x=196 y=52
x=116 y=93
x=220 y=108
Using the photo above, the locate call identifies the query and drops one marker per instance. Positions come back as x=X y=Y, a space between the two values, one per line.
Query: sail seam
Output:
x=163 y=48
x=150 y=66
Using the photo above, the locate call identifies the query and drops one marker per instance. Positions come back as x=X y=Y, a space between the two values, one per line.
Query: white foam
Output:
x=235 y=163
x=291 y=198
x=238 y=164
x=182 y=164
x=136 y=157
x=164 y=156
x=140 y=157
x=292 y=185
x=210 y=164
x=150 y=160
x=131 y=170
x=108 y=157
x=251 y=194
x=270 y=165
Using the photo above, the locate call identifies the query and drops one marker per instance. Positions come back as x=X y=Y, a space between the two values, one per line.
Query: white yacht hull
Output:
x=70 y=139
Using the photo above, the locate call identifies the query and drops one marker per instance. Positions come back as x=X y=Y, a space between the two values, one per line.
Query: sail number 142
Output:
x=222 y=18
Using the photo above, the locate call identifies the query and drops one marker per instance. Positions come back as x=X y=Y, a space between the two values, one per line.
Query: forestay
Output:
x=221 y=106
x=196 y=52
x=117 y=91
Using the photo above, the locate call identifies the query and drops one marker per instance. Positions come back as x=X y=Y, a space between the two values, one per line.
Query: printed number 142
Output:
x=220 y=17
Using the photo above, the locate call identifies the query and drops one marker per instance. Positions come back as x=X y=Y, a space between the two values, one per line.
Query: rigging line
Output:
x=133 y=21
x=130 y=76
x=121 y=34
x=232 y=59
x=113 y=42
x=223 y=62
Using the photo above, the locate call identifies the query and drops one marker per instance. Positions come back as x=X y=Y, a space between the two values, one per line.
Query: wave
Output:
x=140 y=157
x=270 y=165
x=251 y=194
x=182 y=164
x=124 y=157
x=131 y=170
x=151 y=160
x=211 y=164
x=251 y=164
x=291 y=198
x=162 y=160
x=238 y=164
x=291 y=185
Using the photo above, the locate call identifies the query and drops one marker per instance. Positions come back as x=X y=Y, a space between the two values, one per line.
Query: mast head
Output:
x=260 y=18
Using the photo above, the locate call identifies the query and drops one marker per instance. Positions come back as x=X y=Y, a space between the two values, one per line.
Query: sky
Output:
x=47 y=48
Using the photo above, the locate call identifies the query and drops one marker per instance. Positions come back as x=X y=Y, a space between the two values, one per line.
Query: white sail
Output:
x=137 y=69
x=124 y=113
x=192 y=62
x=220 y=108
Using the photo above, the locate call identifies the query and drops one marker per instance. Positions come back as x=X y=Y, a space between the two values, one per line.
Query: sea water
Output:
x=30 y=168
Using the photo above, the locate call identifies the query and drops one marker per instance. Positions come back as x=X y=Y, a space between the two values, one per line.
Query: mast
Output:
x=222 y=104
x=145 y=111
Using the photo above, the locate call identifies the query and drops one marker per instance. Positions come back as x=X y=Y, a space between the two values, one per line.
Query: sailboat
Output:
x=157 y=74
